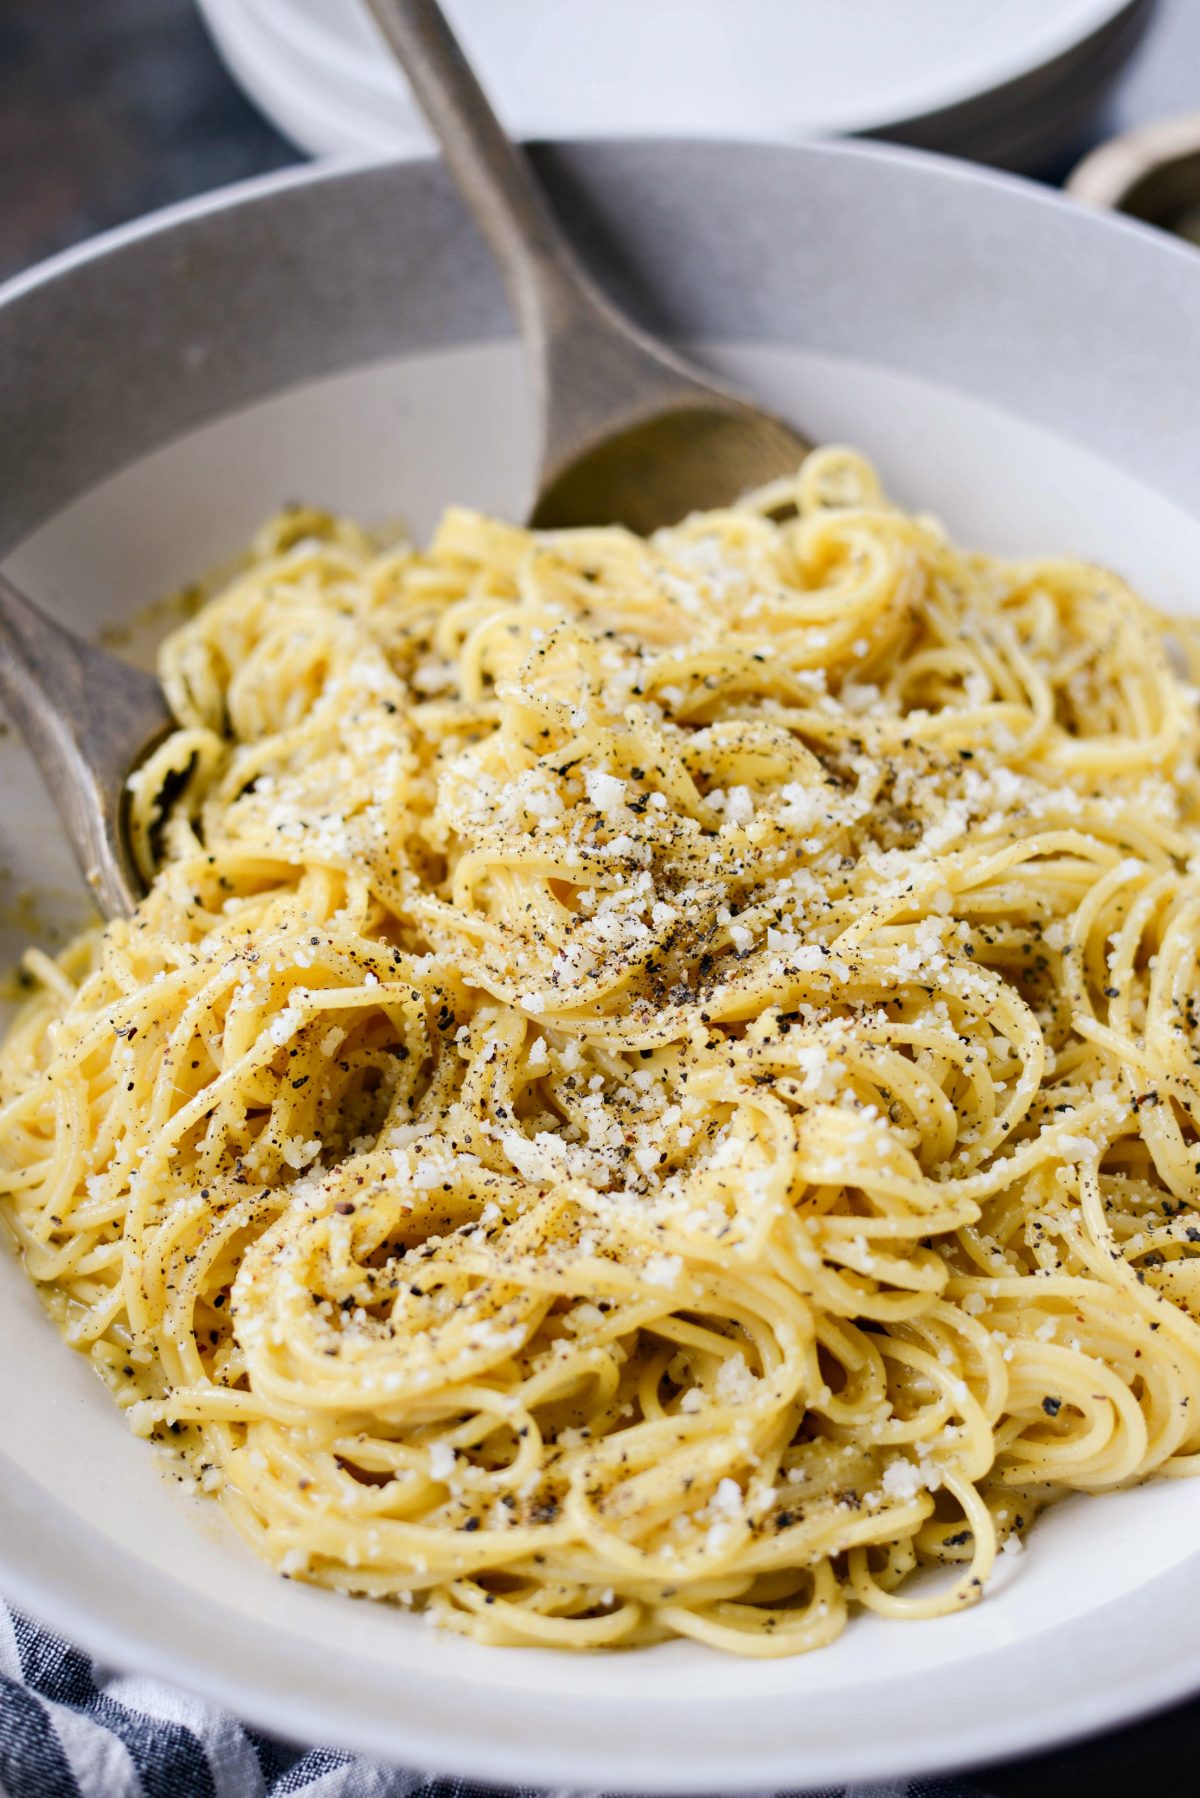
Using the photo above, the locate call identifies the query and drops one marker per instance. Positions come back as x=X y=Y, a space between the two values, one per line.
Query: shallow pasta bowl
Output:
x=1022 y=367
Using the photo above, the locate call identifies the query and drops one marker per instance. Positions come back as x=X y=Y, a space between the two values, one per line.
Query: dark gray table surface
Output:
x=110 y=108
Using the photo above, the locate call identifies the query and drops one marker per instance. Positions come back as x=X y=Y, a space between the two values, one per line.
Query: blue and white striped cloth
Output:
x=70 y=1728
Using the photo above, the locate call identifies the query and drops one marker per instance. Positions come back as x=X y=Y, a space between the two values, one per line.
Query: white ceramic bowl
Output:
x=1024 y=367
x=1011 y=82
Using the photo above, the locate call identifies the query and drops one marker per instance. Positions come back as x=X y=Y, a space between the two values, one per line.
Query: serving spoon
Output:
x=631 y=434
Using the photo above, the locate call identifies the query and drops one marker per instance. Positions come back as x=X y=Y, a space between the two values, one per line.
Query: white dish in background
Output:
x=340 y=336
x=1009 y=82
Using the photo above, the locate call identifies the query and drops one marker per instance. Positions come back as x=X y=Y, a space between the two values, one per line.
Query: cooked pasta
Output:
x=653 y=1091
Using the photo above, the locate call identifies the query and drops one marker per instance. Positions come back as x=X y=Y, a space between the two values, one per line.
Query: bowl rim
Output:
x=329 y=171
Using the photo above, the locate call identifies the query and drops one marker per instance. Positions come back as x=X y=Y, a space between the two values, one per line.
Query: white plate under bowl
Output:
x=1021 y=366
x=1001 y=79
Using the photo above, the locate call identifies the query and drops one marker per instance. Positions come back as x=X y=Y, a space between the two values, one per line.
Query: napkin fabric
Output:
x=70 y=1728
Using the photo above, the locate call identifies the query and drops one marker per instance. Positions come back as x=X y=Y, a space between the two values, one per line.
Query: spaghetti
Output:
x=653 y=1091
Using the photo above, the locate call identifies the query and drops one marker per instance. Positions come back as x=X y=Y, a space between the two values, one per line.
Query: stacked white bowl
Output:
x=1010 y=82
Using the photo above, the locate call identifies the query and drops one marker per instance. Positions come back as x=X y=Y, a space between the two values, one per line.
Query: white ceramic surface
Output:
x=781 y=69
x=959 y=376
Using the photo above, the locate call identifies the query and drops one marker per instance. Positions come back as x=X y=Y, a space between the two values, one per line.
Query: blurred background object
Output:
x=1010 y=82
x=111 y=108
x=1152 y=173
